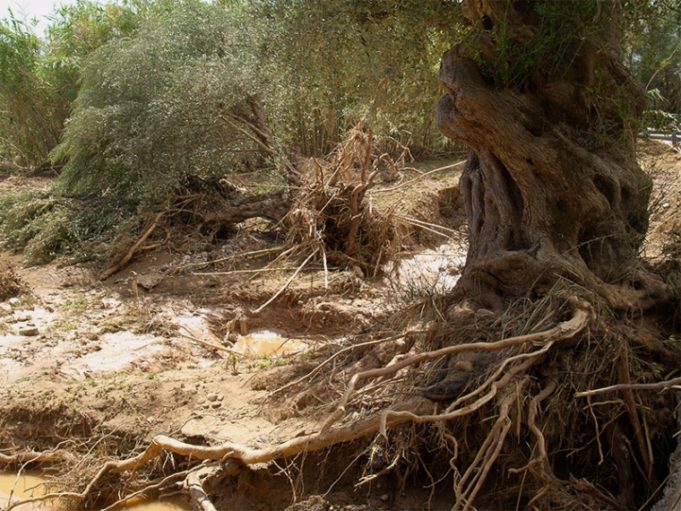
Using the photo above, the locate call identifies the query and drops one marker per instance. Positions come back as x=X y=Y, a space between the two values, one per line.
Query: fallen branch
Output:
x=287 y=283
x=133 y=250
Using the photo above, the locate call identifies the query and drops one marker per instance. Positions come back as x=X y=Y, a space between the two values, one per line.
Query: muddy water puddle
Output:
x=26 y=486
x=266 y=343
x=33 y=485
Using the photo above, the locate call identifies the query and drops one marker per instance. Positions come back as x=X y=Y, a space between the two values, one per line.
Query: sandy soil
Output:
x=116 y=362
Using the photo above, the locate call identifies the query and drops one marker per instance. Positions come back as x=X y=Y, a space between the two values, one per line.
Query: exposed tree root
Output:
x=506 y=383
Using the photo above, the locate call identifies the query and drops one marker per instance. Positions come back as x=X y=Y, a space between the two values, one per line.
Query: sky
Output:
x=29 y=9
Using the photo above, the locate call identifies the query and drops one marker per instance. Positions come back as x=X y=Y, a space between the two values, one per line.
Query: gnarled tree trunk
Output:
x=551 y=188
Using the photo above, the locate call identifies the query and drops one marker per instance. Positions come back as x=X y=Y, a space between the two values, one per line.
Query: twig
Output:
x=661 y=385
x=326 y=270
x=287 y=284
x=397 y=187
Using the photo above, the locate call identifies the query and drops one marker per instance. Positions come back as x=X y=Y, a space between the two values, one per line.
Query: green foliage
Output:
x=206 y=90
x=27 y=128
x=653 y=53
x=45 y=225
x=161 y=106
x=548 y=52
x=39 y=79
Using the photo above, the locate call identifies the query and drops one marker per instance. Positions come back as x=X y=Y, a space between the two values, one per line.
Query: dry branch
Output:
x=120 y=264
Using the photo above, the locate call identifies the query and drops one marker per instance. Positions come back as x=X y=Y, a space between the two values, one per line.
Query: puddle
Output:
x=31 y=485
x=28 y=485
x=161 y=505
x=266 y=343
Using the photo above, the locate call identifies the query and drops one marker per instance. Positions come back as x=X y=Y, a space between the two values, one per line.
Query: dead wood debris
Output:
x=332 y=215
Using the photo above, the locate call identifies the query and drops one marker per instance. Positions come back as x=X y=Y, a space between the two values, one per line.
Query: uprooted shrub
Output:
x=171 y=103
x=331 y=216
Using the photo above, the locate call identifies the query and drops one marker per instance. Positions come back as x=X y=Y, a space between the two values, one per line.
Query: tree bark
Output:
x=551 y=188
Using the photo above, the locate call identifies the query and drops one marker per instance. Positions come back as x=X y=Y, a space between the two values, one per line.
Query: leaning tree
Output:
x=552 y=187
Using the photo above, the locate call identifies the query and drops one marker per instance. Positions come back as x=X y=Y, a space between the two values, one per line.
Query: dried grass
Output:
x=332 y=216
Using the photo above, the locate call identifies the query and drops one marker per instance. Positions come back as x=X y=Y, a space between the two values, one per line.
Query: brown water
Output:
x=265 y=343
x=26 y=486
x=32 y=485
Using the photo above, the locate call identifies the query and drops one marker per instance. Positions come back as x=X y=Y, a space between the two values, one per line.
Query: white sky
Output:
x=29 y=9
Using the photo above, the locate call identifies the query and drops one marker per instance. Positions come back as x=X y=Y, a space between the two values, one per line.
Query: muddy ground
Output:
x=173 y=345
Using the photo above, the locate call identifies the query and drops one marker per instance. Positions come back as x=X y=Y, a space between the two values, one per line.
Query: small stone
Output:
x=666 y=205
x=29 y=331
x=385 y=497
x=221 y=397
x=212 y=397
x=14 y=301
x=5 y=309
x=216 y=404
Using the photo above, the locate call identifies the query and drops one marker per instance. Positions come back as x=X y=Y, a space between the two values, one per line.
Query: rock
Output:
x=5 y=309
x=216 y=404
x=14 y=301
x=212 y=397
x=28 y=331
x=150 y=280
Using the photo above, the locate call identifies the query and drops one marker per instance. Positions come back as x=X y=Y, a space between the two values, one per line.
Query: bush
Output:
x=46 y=226
x=172 y=102
x=39 y=78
